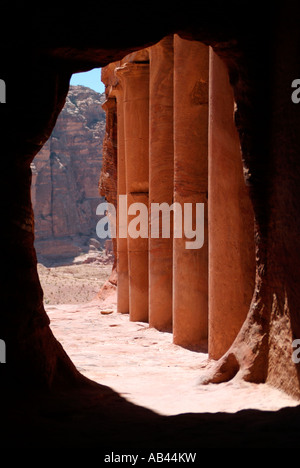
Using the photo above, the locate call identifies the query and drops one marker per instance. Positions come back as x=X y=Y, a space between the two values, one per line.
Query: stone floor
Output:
x=145 y=367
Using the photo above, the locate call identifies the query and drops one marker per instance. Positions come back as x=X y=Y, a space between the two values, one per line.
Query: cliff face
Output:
x=65 y=175
x=108 y=176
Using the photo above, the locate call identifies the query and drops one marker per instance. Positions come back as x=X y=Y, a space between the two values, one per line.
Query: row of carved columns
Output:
x=177 y=143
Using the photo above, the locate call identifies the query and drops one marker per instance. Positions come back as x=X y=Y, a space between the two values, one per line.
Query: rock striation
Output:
x=65 y=176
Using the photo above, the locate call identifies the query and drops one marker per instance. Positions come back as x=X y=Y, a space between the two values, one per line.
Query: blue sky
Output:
x=92 y=79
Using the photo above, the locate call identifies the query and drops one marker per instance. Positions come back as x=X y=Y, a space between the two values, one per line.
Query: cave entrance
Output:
x=160 y=124
x=169 y=135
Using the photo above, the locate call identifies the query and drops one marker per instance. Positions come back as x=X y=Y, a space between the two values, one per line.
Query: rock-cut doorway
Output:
x=138 y=361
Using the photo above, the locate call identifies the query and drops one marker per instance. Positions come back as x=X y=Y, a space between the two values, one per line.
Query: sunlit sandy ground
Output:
x=75 y=283
x=145 y=367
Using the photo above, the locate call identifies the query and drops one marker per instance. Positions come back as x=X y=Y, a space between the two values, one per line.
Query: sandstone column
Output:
x=135 y=82
x=231 y=221
x=190 y=266
x=122 y=252
x=161 y=161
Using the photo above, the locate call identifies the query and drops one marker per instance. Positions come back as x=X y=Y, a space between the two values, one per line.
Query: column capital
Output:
x=114 y=91
x=164 y=45
x=132 y=68
x=109 y=104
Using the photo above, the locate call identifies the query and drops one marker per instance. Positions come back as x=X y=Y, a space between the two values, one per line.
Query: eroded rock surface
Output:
x=65 y=177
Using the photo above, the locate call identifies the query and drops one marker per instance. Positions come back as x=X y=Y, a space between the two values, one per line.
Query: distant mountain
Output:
x=65 y=175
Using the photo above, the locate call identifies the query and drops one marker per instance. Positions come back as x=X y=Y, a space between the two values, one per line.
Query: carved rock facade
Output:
x=176 y=141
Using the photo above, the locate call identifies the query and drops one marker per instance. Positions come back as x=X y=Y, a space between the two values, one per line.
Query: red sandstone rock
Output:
x=231 y=220
x=64 y=191
x=161 y=169
x=190 y=291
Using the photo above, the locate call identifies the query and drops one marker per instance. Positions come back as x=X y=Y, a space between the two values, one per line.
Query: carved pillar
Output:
x=190 y=266
x=161 y=162
x=135 y=82
x=231 y=219
x=122 y=251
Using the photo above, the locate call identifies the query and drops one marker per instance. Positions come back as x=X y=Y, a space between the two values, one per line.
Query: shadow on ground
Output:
x=95 y=416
